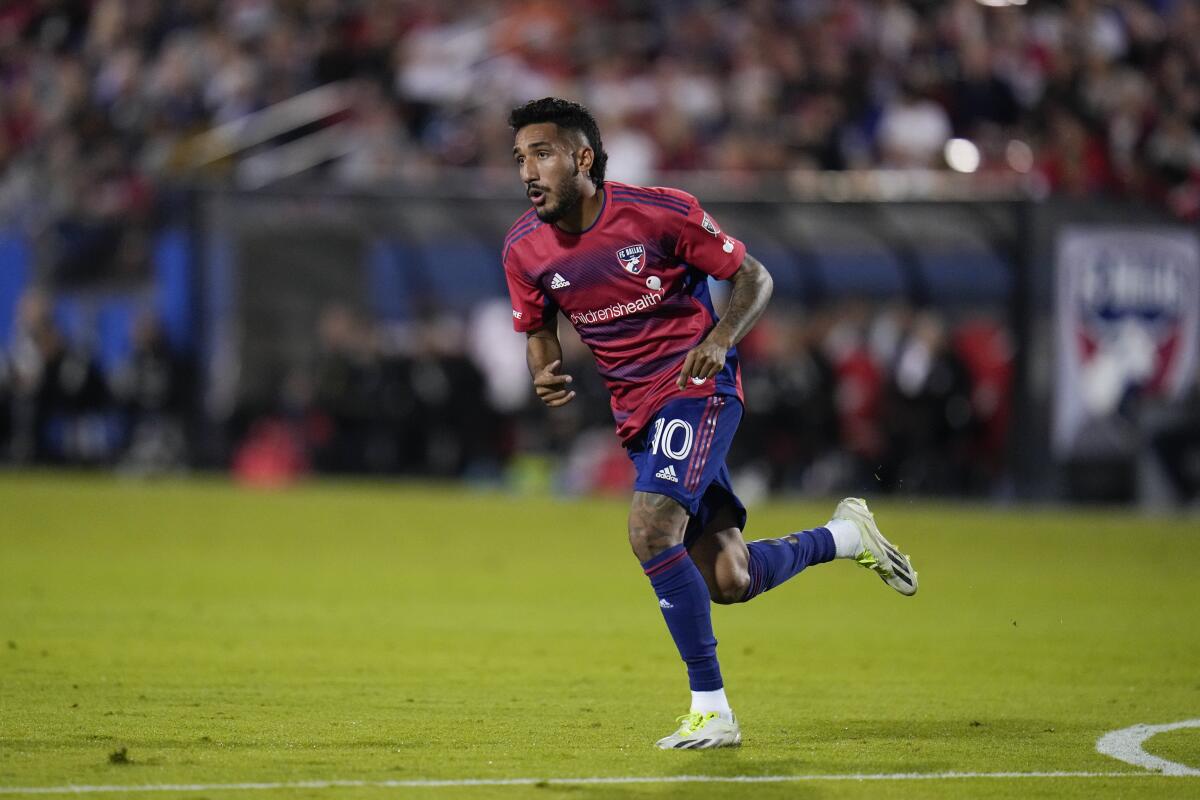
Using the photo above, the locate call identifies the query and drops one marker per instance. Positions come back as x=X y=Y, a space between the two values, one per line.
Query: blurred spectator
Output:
x=793 y=422
x=859 y=382
x=453 y=430
x=913 y=130
x=980 y=95
x=155 y=389
x=1073 y=159
x=417 y=406
x=632 y=152
x=60 y=397
x=929 y=422
x=347 y=377
x=1173 y=440
x=986 y=349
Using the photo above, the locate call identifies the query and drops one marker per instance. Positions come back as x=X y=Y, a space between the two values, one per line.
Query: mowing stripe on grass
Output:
x=435 y=784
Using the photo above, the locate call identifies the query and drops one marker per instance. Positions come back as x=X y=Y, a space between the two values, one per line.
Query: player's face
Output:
x=548 y=160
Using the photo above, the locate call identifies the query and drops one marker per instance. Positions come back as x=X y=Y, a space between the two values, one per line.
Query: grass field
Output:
x=195 y=633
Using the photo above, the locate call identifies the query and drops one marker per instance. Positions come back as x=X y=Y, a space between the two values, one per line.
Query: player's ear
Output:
x=584 y=157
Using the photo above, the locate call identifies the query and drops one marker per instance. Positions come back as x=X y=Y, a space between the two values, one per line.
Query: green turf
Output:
x=1182 y=747
x=383 y=632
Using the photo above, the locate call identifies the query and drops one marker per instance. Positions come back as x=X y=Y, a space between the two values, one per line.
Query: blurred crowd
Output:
x=376 y=398
x=367 y=401
x=60 y=405
x=849 y=397
x=855 y=396
x=100 y=99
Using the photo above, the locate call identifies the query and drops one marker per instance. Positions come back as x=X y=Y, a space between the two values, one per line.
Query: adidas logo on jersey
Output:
x=559 y=282
x=665 y=603
x=667 y=473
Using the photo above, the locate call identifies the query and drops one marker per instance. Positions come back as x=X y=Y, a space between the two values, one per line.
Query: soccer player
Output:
x=629 y=267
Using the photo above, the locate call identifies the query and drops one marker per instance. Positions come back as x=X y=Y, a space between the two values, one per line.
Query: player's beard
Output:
x=568 y=196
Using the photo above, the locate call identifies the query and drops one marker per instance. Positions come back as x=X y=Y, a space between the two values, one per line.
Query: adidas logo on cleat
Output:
x=559 y=282
x=667 y=473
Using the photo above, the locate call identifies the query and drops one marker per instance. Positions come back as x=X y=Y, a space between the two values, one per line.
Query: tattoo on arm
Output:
x=752 y=286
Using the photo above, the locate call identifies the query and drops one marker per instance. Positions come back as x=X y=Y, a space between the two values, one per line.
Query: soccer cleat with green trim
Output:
x=878 y=554
x=701 y=731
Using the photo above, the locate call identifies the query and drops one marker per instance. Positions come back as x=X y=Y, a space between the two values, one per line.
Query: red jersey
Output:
x=634 y=285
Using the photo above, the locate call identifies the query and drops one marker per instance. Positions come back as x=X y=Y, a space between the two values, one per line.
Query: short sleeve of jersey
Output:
x=531 y=308
x=703 y=245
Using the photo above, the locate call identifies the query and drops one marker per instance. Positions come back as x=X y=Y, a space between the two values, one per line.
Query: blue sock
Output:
x=773 y=561
x=683 y=599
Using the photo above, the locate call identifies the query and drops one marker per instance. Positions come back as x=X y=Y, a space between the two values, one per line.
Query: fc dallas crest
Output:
x=1128 y=313
x=632 y=258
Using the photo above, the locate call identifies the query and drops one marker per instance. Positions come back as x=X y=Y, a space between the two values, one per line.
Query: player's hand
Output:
x=702 y=362
x=552 y=389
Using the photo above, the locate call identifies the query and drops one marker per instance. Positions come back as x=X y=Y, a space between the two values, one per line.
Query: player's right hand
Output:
x=552 y=389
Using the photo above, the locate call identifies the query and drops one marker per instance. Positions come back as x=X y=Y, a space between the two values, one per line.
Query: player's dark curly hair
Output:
x=564 y=114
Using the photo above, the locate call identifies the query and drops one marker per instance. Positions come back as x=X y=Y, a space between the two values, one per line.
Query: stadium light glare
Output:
x=1019 y=155
x=1001 y=3
x=962 y=155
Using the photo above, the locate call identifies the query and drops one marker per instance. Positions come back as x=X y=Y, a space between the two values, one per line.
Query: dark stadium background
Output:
x=264 y=236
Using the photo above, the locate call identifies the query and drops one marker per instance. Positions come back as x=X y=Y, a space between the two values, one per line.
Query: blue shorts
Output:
x=681 y=454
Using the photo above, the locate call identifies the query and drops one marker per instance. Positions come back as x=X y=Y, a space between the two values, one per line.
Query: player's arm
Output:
x=752 y=286
x=543 y=354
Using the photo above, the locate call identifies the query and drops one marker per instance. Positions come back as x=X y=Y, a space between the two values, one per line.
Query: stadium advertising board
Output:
x=1127 y=309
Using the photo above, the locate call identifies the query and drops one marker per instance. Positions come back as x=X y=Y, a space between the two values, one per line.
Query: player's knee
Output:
x=648 y=539
x=655 y=524
x=730 y=587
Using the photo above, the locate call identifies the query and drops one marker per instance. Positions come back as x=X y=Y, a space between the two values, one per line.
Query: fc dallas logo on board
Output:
x=1130 y=313
x=632 y=258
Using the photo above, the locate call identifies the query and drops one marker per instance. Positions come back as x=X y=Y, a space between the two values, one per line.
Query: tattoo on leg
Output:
x=656 y=523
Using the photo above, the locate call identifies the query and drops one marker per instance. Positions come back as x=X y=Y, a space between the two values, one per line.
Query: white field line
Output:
x=438 y=784
x=1126 y=745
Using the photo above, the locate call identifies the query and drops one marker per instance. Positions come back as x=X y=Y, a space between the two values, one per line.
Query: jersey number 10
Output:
x=665 y=434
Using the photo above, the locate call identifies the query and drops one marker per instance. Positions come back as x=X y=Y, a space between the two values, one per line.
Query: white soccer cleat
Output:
x=701 y=731
x=878 y=554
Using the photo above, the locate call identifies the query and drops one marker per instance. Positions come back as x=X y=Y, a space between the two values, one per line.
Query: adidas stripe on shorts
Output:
x=681 y=453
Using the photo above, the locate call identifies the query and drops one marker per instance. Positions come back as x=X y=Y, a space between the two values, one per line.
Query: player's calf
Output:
x=723 y=560
x=656 y=526
x=772 y=562
x=731 y=590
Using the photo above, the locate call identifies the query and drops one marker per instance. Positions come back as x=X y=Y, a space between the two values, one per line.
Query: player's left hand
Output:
x=702 y=362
